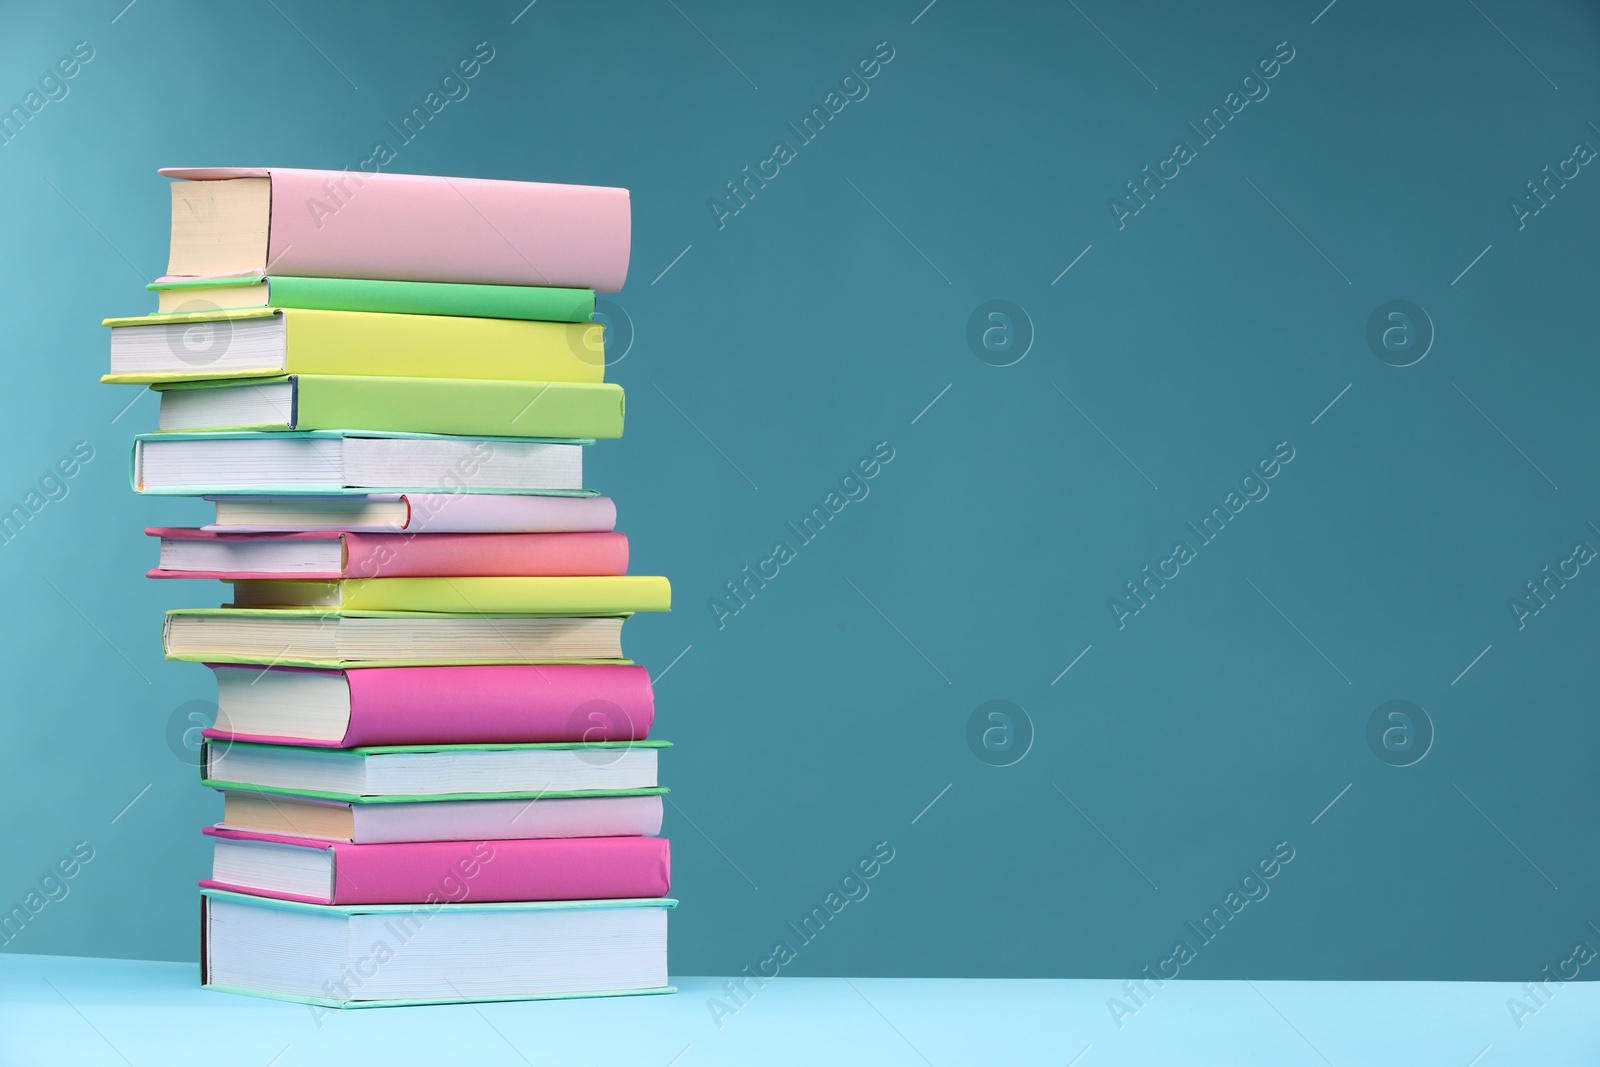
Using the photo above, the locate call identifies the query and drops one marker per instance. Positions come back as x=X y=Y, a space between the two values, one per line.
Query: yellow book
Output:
x=267 y=342
x=569 y=596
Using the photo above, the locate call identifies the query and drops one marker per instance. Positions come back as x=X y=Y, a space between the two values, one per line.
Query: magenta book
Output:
x=418 y=872
x=196 y=553
x=500 y=704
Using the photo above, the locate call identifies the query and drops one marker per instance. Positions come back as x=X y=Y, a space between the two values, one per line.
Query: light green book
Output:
x=566 y=595
x=183 y=295
x=443 y=950
x=266 y=342
x=468 y=407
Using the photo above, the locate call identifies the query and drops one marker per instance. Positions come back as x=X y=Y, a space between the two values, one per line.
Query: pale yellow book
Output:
x=267 y=342
x=568 y=596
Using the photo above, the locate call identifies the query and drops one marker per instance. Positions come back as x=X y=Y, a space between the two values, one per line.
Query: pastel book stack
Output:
x=437 y=768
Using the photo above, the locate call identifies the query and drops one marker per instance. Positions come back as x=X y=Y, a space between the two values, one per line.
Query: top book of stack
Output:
x=232 y=221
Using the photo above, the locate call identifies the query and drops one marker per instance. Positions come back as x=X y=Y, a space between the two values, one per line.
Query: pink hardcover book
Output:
x=425 y=513
x=195 y=553
x=487 y=705
x=434 y=872
x=415 y=227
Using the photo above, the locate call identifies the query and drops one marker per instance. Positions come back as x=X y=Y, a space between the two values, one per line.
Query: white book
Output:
x=446 y=771
x=332 y=461
x=375 y=955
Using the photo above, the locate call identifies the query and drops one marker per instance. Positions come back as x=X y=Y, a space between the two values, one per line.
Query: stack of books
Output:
x=437 y=772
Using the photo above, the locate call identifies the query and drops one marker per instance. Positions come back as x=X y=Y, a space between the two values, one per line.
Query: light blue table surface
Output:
x=68 y=1010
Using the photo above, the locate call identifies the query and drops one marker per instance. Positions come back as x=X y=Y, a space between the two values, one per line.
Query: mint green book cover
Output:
x=391 y=297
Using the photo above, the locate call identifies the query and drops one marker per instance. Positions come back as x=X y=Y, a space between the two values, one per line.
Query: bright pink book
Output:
x=479 y=705
x=415 y=227
x=195 y=553
x=429 y=872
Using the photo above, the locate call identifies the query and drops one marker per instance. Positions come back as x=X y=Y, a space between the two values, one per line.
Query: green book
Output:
x=186 y=295
x=457 y=406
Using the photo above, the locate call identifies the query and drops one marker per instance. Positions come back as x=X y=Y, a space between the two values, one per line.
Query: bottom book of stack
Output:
x=378 y=955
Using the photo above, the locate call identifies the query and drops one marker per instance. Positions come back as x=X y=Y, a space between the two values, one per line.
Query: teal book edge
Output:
x=406 y=298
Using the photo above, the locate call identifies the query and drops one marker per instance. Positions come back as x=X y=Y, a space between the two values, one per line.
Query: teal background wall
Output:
x=1146 y=763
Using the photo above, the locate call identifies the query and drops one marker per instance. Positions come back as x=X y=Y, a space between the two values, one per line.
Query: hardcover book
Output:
x=334 y=461
x=408 y=405
x=622 y=594
x=265 y=342
x=318 y=637
x=415 y=513
x=503 y=704
x=194 y=553
x=339 y=872
x=635 y=813
x=434 y=772
x=446 y=950
x=175 y=295
x=405 y=227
